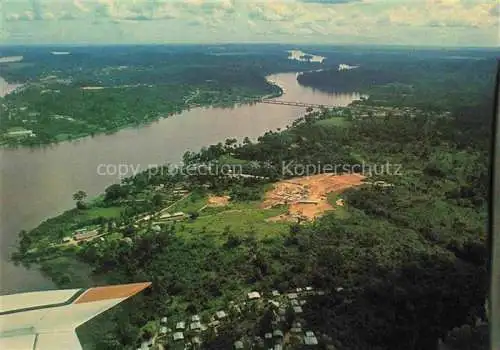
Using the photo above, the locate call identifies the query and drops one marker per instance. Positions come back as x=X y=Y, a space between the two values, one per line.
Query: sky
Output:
x=373 y=22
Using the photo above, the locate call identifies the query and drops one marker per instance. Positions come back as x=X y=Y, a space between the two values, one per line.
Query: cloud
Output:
x=102 y=10
x=330 y=1
x=80 y=6
x=495 y=11
x=26 y=16
x=196 y=23
x=326 y=21
x=12 y=17
x=65 y=16
x=441 y=13
x=37 y=10
x=451 y=24
x=137 y=18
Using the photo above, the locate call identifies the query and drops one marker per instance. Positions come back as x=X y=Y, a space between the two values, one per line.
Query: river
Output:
x=36 y=184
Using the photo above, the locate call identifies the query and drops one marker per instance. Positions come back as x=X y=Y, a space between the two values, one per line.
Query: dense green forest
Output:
x=411 y=257
x=405 y=81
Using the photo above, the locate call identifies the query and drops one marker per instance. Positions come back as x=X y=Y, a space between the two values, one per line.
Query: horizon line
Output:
x=249 y=43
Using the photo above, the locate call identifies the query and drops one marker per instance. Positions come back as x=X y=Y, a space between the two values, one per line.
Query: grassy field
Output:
x=235 y=218
x=189 y=204
x=333 y=122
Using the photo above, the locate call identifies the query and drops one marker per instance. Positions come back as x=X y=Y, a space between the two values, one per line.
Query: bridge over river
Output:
x=294 y=103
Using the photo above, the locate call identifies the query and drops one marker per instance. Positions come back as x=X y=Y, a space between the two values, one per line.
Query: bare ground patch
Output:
x=218 y=201
x=306 y=197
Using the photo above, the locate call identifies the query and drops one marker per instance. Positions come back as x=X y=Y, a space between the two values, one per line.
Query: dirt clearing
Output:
x=306 y=196
x=218 y=201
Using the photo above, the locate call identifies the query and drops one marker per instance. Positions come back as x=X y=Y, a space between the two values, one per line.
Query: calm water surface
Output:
x=38 y=184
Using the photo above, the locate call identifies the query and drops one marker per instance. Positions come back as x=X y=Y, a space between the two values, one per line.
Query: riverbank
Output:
x=68 y=126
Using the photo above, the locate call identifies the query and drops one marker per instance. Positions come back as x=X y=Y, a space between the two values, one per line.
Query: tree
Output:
x=466 y=337
x=157 y=200
x=115 y=192
x=79 y=197
x=193 y=215
x=265 y=324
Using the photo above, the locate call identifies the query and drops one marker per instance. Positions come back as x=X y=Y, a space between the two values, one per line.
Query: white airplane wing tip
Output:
x=47 y=320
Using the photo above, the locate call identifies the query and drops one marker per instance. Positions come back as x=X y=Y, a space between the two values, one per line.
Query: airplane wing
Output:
x=47 y=320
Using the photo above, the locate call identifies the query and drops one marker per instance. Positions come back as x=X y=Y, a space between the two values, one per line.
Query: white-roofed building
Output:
x=297 y=309
x=274 y=303
x=221 y=314
x=195 y=325
x=253 y=295
x=310 y=339
x=178 y=336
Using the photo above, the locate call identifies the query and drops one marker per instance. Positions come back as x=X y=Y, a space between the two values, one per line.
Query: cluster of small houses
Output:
x=84 y=234
x=382 y=111
x=190 y=334
x=297 y=194
x=21 y=133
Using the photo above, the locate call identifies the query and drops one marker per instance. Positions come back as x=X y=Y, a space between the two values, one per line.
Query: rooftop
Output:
x=253 y=295
x=178 y=336
x=310 y=340
x=221 y=314
x=196 y=325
